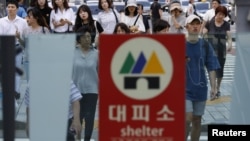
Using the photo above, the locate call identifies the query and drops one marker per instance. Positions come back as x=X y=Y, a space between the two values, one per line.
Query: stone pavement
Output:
x=218 y=110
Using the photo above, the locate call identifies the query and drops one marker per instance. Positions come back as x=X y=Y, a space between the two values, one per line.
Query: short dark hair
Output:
x=138 y=4
x=221 y=9
x=122 y=26
x=12 y=2
x=217 y=1
x=110 y=3
x=81 y=32
x=160 y=25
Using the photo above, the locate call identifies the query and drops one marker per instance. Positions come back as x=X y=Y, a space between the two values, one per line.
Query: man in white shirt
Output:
x=13 y=25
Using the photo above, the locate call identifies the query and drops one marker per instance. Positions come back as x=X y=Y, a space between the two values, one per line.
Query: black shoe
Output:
x=17 y=95
x=218 y=94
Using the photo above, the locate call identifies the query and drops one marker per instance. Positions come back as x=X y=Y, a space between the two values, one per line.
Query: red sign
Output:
x=142 y=88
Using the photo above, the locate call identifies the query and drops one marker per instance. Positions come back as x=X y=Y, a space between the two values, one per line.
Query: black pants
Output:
x=87 y=112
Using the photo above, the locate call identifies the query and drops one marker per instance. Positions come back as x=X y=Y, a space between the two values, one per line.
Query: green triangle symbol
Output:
x=128 y=64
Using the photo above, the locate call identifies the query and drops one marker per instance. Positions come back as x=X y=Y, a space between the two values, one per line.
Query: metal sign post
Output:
x=7 y=55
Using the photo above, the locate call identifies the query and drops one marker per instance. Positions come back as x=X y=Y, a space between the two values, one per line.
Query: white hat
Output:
x=191 y=18
x=131 y=3
x=175 y=5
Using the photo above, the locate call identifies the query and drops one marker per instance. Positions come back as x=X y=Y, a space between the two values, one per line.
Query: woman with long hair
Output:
x=84 y=19
x=108 y=16
x=44 y=8
x=37 y=25
x=62 y=17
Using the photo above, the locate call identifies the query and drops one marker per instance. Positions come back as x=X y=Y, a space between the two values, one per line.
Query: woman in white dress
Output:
x=108 y=17
x=132 y=18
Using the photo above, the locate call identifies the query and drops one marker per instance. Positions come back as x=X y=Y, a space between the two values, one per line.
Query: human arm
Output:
x=21 y=32
x=76 y=124
x=52 y=19
x=139 y=26
x=205 y=20
x=229 y=41
x=160 y=11
x=70 y=19
x=23 y=13
x=203 y=29
x=20 y=40
x=150 y=12
x=190 y=9
x=176 y=24
x=212 y=79
x=57 y=20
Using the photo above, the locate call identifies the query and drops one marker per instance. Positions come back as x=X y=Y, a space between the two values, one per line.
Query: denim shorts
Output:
x=196 y=107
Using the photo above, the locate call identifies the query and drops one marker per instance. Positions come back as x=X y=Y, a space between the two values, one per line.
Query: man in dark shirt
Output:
x=155 y=11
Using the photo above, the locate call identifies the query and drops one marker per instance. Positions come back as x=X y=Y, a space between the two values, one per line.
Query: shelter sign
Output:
x=142 y=88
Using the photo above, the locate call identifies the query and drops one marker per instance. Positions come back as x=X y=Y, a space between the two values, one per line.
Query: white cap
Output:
x=191 y=18
x=131 y=3
x=176 y=5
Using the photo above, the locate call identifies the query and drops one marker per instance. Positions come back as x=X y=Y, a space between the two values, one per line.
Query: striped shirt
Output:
x=74 y=96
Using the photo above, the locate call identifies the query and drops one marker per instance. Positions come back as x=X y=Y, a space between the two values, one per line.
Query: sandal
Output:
x=218 y=94
x=213 y=97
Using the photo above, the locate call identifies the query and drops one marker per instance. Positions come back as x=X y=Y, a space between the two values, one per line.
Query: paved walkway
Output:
x=218 y=110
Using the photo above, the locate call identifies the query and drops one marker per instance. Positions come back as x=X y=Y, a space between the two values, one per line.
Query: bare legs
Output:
x=218 y=85
x=193 y=125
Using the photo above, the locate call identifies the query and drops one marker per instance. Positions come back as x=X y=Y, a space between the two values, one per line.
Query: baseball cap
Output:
x=175 y=5
x=191 y=18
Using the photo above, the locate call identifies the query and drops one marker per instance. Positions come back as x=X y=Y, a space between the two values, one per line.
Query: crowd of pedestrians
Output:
x=213 y=32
